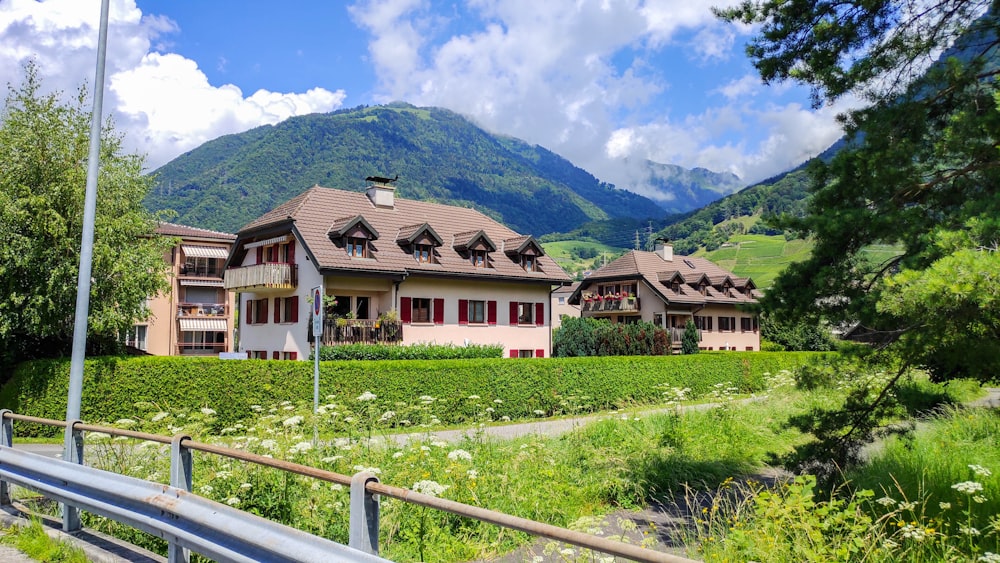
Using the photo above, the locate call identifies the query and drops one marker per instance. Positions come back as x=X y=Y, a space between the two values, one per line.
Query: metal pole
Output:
x=317 y=295
x=87 y=242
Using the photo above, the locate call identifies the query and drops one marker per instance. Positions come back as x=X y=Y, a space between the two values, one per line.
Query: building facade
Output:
x=393 y=271
x=668 y=291
x=195 y=317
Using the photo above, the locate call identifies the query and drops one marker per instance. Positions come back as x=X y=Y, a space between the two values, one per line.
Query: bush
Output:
x=689 y=341
x=413 y=352
x=114 y=386
x=587 y=336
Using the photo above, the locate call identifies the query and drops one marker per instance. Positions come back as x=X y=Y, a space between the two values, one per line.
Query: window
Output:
x=562 y=300
x=200 y=341
x=289 y=355
x=480 y=258
x=256 y=311
x=477 y=312
x=703 y=323
x=136 y=337
x=421 y=310
x=282 y=253
x=727 y=324
x=286 y=309
x=423 y=253
x=525 y=353
x=529 y=263
x=194 y=266
x=357 y=247
x=257 y=354
x=748 y=324
x=525 y=313
x=658 y=319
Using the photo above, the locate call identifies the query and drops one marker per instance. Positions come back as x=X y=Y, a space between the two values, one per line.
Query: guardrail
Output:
x=189 y=522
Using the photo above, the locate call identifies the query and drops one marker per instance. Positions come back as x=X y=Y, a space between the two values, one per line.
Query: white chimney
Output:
x=664 y=250
x=380 y=192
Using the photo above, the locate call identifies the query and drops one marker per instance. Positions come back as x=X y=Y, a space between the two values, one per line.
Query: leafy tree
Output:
x=796 y=336
x=920 y=167
x=689 y=340
x=44 y=146
x=587 y=336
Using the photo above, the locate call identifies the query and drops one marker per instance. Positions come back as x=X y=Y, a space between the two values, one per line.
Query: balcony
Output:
x=202 y=310
x=608 y=304
x=358 y=331
x=200 y=348
x=262 y=277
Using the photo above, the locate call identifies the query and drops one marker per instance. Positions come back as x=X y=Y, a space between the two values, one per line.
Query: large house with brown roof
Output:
x=195 y=317
x=669 y=290
x=400 y=271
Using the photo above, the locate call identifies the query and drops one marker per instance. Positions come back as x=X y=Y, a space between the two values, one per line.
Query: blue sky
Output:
x=605 y=83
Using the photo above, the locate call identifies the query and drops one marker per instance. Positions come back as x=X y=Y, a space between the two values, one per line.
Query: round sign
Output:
x=316 y=302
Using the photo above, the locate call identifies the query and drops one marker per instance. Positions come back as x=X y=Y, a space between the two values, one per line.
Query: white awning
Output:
x=202 y=283
x=275 y=240
x=205 y=252
x=192 y=325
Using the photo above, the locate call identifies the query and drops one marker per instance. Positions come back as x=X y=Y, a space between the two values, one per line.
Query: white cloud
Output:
x=163 y=102
x=579 y=77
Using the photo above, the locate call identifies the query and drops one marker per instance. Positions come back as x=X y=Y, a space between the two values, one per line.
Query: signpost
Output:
x=317 y=303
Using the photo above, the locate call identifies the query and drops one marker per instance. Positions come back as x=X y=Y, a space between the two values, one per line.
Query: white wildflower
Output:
x=268 y=445
x=969 y=531
x=386 y=416
x=430 y=488
x=332 y=458
x=989 y=557
x=160 y=416
x=472 y=473
x=473 y=397
x=126 y=422
x=207 y=411
x=245 y=486
x=968 y=487
x=886 y=501
x=232 y=501
x=980 y=470
x=439 y=444
x=363 y=469
x=367 y=396
x=459 y=454
x=292 y=421
x=944 y=505
x=206 y=489
x=397 y=455
x=498 y=401
x=300 y=447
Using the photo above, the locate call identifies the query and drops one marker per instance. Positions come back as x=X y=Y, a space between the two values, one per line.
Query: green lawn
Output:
x=759 y=257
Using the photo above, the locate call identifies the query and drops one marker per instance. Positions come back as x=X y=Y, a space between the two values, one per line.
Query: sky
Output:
x=607 y=84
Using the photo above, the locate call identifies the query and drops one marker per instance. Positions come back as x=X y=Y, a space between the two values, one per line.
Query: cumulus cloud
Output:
x=162 y=101
x=582 y=78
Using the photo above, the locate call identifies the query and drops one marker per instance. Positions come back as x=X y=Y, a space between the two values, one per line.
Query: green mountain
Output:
x=438 y=155
x=690 y=188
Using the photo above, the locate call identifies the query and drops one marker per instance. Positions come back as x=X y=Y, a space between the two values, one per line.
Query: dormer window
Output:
x=529 y=263
x=676 y=286
x=357 y=247
x=703 y=288
x=480 y=258
x=423 y=253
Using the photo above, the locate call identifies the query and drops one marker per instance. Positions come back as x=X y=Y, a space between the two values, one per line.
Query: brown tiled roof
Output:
x=658 y=273
x=464 y=240
x=316 y=209
x=184 y=231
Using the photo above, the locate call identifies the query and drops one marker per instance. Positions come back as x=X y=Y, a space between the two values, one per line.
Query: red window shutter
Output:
x=463 y=311
x=405 y=309
x=249 y=355
x=491 y=312
x=539 y=314
x=293 y=355
x=262 y=312
x=513 y=313
x=260 y=254
x=277 y=310
x=540 y=353
x=250 y=320
x=295 y=309
x=291 y=252
x=275 y=355
x=513 y=353
x=439 y=311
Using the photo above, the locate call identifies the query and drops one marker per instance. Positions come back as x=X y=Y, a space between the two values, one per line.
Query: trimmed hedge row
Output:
x=113 y=386
x=411 y=352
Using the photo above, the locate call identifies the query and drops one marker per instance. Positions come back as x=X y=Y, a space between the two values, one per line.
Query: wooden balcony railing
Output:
x=262 y=276
x=359 y=331
x=202 y=310
x=629 y=304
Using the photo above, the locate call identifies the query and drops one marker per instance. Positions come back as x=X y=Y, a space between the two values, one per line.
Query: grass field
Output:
x=568 y=254
x=759 y=257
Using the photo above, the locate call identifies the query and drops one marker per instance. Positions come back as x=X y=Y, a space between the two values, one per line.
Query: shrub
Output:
x=412 y=352
x=689 y=341
x=599 y=337
x=113 y=386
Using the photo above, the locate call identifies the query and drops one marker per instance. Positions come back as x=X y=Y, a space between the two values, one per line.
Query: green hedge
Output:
x=411 y=352
x=114 y=386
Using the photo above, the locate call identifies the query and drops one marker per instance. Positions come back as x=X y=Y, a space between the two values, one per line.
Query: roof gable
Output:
x=353 y=227
x=420 y=234
x=473 y=240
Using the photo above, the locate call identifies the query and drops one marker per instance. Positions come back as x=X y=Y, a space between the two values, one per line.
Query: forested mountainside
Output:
x=437 y=154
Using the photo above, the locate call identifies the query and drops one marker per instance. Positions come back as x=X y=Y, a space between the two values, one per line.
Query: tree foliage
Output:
x=920 y=170
x=689 y=340
x=44 y=147
x=587 y=336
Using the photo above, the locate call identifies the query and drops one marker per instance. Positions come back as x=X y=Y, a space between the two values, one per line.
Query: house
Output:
x=561 y=305
x=668 y=291
x=393 y=270
x=195 y=317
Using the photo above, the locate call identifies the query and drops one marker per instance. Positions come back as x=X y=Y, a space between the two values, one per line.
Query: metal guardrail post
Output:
x=364 y=514
x=73 y=452
x=6 y=439
x=181 y=476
